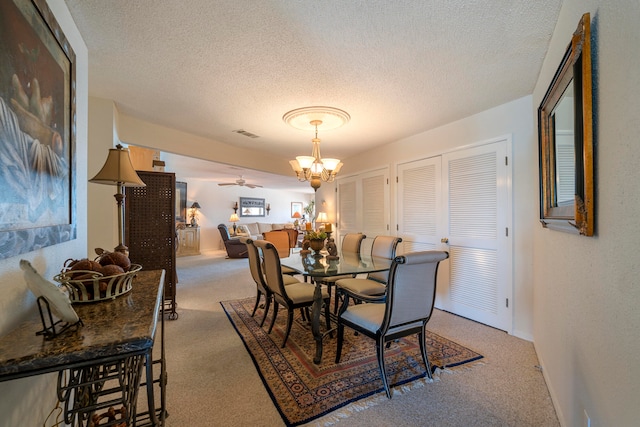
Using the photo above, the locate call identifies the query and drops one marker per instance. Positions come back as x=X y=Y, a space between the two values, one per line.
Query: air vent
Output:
x=245 y=133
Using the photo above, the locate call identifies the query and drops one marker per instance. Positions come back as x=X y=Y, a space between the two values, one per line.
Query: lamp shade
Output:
x=322 y=217
x=118 y=170
x=195 y=205
x=234 y=218
x=330 y=164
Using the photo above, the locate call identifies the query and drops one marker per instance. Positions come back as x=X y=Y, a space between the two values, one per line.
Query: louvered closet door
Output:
x=475 y=187
x=419 y=204
x=374 y=206
x=347 y=211
x=363 y=205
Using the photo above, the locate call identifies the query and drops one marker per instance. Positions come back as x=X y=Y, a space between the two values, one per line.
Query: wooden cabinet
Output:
x=188 y=241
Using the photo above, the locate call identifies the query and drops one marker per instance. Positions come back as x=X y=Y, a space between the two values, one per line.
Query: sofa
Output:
x=254 y=230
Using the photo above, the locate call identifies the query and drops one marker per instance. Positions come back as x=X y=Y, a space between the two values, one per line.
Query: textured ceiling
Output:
x=397 y=67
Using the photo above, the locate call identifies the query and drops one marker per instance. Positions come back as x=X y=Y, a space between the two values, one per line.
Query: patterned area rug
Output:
x=303 y=391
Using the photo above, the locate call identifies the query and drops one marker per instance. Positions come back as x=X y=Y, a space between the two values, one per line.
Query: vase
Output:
x=316 y=244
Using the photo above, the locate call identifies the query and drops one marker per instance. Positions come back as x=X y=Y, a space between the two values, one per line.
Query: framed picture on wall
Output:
x=251 y=207
x=181 y=201
x=37 y=129
x=296 y=207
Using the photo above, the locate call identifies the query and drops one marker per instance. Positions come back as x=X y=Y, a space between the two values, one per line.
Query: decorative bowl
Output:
x=91 y=286
x=316 y=244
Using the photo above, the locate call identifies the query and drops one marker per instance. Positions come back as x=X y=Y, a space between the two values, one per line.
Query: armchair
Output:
x=235 y=248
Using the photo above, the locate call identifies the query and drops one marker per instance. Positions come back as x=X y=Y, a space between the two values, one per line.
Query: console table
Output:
x=100 y=363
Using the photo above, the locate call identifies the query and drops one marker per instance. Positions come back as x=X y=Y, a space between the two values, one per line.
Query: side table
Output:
x=100 y=364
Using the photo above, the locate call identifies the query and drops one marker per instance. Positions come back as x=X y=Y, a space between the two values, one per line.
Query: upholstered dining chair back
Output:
x=404 y=310
x=411 y=290
x=279 y=239
x=255 y=266
x=383 y=247
x=352 y=242
x=272 y=268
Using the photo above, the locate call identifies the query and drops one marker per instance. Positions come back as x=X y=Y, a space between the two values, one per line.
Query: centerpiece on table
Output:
x=316 y=240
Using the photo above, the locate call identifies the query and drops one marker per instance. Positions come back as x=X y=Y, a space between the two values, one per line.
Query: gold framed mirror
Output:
x=565 y=132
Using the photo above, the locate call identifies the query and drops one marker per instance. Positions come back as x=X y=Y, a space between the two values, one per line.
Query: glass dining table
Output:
x=318 y=266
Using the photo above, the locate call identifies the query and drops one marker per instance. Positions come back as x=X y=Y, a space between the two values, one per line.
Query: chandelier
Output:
x=314 y=168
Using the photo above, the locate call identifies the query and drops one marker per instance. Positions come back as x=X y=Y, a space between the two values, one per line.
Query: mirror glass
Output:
x=563 y=119
x=565 y=126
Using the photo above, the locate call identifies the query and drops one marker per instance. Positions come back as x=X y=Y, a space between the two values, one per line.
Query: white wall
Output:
x=513 y=118
x=26 y=402
x=102 y=221
x=587 y=288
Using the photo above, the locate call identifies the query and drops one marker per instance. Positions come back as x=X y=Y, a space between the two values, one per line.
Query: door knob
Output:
x=444 y=240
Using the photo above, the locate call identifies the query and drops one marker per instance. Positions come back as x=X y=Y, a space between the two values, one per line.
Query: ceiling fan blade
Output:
x=253 y=185
x=227 y=183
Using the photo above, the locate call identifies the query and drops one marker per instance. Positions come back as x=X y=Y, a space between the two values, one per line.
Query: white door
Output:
x=420 y=204
x=476 y=187
x=363 y=205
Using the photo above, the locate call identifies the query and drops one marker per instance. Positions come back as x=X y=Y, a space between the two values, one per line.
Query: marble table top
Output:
x=111 y=330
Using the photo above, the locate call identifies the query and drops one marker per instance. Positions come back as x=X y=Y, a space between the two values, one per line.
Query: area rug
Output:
x=303 y=391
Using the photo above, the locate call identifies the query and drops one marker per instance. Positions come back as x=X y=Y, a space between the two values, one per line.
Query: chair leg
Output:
x=273 y=319
x=255 y=307
x=340 y=339
x=267 y=304
x=289 y=322
x=383 y=374
x=423 y=350
x=327 y=314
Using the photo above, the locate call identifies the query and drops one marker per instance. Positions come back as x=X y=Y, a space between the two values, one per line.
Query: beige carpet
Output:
x=213 y=382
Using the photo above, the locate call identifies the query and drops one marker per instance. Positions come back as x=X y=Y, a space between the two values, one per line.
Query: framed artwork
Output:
x=37 y=129
x=251 y=207
x=181 y=201
x=296 y=207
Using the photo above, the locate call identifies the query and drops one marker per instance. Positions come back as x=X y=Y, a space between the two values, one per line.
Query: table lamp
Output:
x=234 y=218
x=322 y=218
x=194 y=213
x=118 y=170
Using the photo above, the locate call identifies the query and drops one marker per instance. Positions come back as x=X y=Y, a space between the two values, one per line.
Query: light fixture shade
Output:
x=305 y=162
x=322 y=217
x=295 y=166
x=195 y=205
x=330 y=164
x=234 y=218
x=118 y=169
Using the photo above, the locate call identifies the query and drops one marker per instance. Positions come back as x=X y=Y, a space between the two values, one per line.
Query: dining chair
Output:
x=255 y=266
x=281 y=240
x=296 y=295
x=404 y=310
x=375 y=283
x=351 y=244
x=258 y=277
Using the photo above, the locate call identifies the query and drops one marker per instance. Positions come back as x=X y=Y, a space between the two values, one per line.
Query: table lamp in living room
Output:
x=194 y=213
x=234 y=218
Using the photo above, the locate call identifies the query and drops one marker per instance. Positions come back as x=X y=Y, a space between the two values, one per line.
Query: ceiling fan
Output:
x=241 y=182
